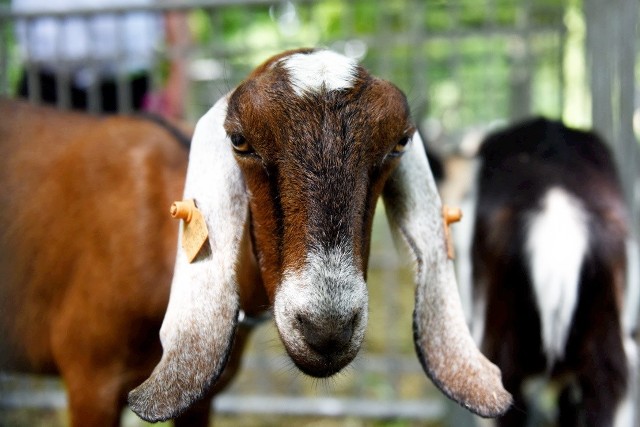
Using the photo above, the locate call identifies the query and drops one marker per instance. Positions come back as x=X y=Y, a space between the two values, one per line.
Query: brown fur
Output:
x=86 y=252
x=305 y=146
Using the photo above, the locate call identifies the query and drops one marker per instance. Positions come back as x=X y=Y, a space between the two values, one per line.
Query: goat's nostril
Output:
x=347 y=330
x=326 y=337
x=346 y=333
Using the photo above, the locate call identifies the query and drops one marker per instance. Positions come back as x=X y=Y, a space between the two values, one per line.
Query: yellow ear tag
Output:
x=194 y=229
x=450 y=215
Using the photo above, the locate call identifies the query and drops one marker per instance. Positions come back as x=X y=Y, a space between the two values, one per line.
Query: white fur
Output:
x=212 y=177
x=198 y=328
x=632 y=291
x=557 y=241
x=626 y=414
x=474 y=308
x=329 y=286
x=446 y=348
x=321 y=69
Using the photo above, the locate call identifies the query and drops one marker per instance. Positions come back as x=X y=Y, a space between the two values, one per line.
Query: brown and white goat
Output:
x=86 y=252
x=548 y=275
x=286 y=171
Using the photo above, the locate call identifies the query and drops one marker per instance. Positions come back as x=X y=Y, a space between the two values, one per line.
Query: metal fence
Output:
x=460 y=62
x=463 y=64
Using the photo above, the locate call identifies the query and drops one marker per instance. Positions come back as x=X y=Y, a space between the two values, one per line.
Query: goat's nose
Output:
x=326 y=337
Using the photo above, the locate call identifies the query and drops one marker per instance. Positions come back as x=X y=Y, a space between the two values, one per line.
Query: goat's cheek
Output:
x=266 y=221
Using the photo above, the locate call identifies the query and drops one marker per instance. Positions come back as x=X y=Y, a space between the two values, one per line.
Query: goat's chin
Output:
x=321 y=365
x=318 y=363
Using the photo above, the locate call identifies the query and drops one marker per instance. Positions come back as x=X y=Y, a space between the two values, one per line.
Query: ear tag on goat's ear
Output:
x=450 y=215
x=194 y=229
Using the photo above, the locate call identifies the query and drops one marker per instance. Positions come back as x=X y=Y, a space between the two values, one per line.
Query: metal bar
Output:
x=63 y=92
x=124 y=101
x=628 y=19
x=7 y=13
x=4 y=58
x=562 y=41
x=32 y=71
x=600 y=57
x=93 y=91
x=27 y=393
x=456 y=59
x=494 y=57
x=427 y=409
x=521 y=74
x=63 y=76
x=418 y=61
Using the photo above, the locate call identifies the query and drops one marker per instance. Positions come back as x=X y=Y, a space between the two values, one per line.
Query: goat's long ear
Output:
x=442 y=340
x=199 y=326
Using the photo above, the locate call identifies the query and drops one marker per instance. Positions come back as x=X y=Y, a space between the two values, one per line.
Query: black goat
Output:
x=548 y=277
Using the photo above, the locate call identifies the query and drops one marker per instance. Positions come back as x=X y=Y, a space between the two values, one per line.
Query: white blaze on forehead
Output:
x=309 y=72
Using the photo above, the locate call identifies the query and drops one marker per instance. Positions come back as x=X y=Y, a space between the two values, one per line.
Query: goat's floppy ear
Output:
x=199 y=326
x=442 y=340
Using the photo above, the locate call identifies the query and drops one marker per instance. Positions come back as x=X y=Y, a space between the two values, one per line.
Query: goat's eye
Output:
x=401 y=145
x=240 y=144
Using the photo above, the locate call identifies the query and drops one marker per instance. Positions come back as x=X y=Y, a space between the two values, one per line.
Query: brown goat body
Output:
x=87 y=249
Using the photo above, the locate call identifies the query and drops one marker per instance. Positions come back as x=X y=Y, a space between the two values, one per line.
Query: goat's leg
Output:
x=101 y=351
x=585 y=406
x=96 y=383
x=599 y=401
x=93 y=401
x=568 y=413
x=97 y=392
x=597 y=351
x=600 y=386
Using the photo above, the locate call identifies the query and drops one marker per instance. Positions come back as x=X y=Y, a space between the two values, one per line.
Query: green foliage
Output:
x=455 y=59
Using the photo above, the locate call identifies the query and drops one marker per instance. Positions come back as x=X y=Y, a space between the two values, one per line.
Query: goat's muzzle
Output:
x=321 y=316
x=327 y=344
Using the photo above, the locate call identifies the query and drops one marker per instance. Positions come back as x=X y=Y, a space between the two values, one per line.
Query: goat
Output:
x=286 y=171
x=548 y=258
x=86 y=252
x=87 y=248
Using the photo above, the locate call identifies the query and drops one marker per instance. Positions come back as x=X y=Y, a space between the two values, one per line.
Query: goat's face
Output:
x=301 y=151
x=315 y=158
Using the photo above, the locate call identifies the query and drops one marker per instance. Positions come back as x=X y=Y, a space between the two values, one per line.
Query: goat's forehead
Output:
x=314 y=71
x=328 y=91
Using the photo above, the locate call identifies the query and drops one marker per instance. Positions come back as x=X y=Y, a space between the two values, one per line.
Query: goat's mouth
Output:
x=322 y=350
x=322 y=365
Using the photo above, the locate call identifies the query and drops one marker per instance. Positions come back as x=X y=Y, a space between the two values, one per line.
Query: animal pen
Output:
x=466 y=66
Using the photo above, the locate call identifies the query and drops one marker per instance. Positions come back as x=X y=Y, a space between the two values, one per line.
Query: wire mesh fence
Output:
x=462 y=63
